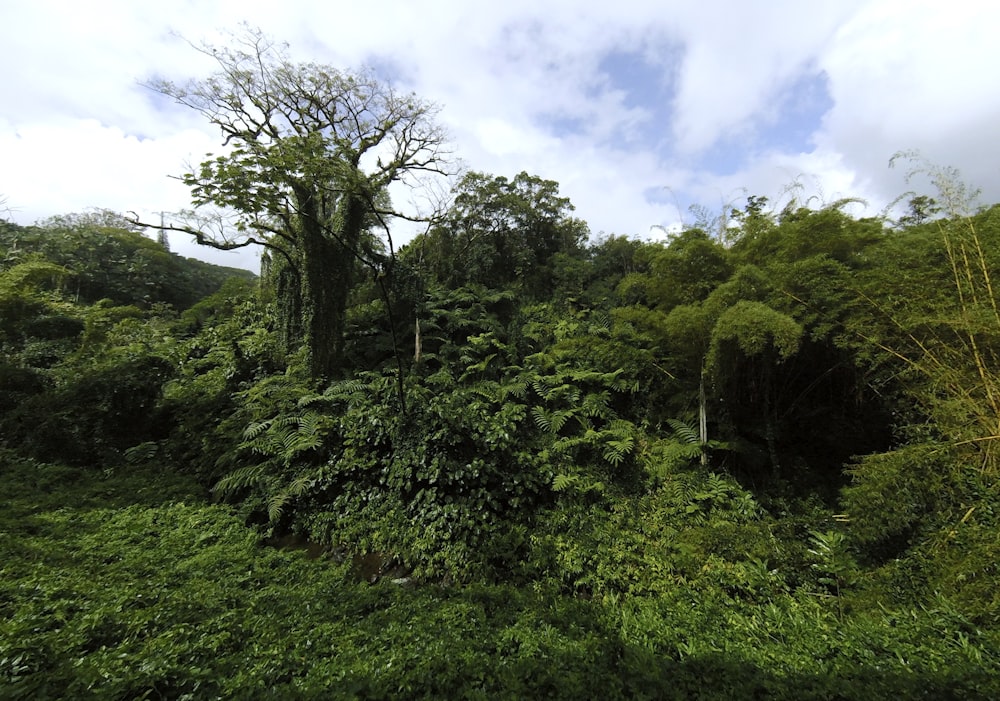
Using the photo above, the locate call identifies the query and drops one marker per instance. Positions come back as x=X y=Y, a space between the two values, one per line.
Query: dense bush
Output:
x=92 y=418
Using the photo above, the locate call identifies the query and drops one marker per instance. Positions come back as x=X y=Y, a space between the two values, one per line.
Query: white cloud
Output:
x=78 y=131
x=916 y=75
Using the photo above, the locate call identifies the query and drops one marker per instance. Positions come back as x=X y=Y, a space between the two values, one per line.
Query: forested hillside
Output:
x=508 y=459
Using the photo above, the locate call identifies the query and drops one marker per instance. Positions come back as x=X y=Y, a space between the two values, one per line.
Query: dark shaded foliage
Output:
x=94 y=418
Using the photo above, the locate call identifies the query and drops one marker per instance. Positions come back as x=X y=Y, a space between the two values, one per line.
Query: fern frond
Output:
x=623 y=428
x=559 y=419
x=563 y=482
x=541 y=418
x=301 y=484
x=490 y=391
x=600 y=323
x=276 y=506
x=616 y=451
x=346 y=390
x=249 y=476
x=684 y=432
x=564 y=445
x=541 y=388
x=596 y=404
x=477 y=367
x=311 y=423
x=312 y=400
x=290 y=445
x=518 y=389
x=254 y=430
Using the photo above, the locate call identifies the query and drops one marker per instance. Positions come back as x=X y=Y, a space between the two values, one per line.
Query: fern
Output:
x=490 y=391
x=559 y=419
x=242 y=478
x=348 y=392
x=276 y=506
x=311 y=400
x=551 y=421
x=144 y=452
x=565 y=483
x=615 y=451
x=562 y=482
x=686 y=434
x=566 y=445
x=518 y=388
x=596 y=404
x=254 y=430
x=681 y=489
x=276 y=503
x=541 y=418
x=311 y=424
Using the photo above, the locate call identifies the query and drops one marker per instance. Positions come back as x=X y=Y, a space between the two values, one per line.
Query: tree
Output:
x=502 y=233
x=749 y=342
x=311 y=152
x=687 y=270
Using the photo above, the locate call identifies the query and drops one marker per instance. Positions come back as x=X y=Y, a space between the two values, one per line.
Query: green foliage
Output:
x=125 y=585
x=618 y=271
x=893 y=493
x=25 y=277
x=37 y=328
x=691 y=529
x=754 y=328
x=431 y=486
x=224 y=346
x=687 y=271
x=106 y=258
x=287 y=444
x=833 y=562
x=80 y=383
x=92 y=418
x=681 y=450
x=545 y=518
x=293 y=178
x=940 y=342
x=503 y=233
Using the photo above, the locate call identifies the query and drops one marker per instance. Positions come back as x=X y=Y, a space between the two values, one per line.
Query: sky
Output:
x=642 y=111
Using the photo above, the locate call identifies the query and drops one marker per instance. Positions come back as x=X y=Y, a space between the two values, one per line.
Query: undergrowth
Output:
x=124 y=586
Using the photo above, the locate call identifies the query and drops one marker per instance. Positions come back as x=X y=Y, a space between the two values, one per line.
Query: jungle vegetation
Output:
x=507 y=459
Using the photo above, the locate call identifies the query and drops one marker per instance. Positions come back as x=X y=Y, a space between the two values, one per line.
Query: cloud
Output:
x=708 y=101
x=914 y=75
x=738 y=59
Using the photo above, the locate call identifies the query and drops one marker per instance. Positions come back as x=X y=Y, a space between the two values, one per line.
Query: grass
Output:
x=125 y=585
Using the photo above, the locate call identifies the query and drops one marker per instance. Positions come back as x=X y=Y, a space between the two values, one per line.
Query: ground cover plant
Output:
x=136 y=587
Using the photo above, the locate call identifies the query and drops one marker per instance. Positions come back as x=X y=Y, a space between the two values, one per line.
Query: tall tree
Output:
x=504 y=232
x=310 y=154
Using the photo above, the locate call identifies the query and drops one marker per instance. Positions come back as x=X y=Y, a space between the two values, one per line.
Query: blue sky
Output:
x=638 y=109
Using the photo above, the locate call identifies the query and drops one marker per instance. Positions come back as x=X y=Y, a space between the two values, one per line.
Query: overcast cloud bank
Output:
x=637 y=109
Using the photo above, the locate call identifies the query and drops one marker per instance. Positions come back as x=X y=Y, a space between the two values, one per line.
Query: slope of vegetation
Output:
x=755 y=461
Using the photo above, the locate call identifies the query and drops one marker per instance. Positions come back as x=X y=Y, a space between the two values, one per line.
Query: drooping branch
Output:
x=219 y=241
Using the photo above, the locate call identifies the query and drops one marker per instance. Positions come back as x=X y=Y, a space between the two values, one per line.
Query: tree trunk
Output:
x=416 y=341
x=771 y=426
x=328 y=276
x=702 y=418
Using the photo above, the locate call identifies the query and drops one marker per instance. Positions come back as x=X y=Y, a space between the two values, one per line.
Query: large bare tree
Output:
x=310 y=154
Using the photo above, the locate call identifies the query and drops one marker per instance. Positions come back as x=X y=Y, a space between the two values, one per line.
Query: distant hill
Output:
x=114 y=262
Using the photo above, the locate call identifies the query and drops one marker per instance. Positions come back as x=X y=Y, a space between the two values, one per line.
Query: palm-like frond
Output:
x=241 y=478
x=684 y=433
